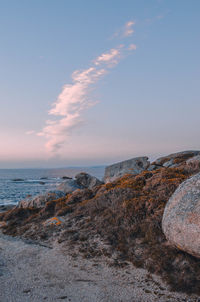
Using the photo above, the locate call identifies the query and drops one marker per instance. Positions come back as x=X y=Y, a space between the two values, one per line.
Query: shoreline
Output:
x=4 y=208
x=113 y=228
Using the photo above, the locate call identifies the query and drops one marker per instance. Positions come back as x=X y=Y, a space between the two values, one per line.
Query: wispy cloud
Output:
x=132 y=47
x=128 y=30
x=66 y=113
x=157 y=18
x=112 y=57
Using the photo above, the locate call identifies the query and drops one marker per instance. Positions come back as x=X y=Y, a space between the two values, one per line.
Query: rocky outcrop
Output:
x=39 y=201
x=132 y=166
x=175 y=159
x=81 y=182
x=85 y=180
x=124 y=217
x=181 y=219
x=69 y=186
x=193 y=164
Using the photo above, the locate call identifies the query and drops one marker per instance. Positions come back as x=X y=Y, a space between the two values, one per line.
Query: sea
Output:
x=17 y=184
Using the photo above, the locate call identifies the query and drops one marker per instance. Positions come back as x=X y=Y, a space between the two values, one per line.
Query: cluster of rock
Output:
x=39 y=201
x=181 y=219
x=189 y=159
x=81 y=181
x=175 y=159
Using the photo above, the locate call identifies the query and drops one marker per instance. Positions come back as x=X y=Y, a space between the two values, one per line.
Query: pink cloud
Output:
x=66 y=112
x=128 y=30
x=74 y=99
x=110 y=57
x=132 y=47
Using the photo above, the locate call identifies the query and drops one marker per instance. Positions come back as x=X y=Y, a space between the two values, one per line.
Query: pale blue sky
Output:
x=148 y=103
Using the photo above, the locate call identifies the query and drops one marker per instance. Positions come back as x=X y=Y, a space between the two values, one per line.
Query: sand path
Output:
x=33 y=273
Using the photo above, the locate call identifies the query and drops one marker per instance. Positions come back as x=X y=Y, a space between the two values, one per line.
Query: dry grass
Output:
x=127 y=215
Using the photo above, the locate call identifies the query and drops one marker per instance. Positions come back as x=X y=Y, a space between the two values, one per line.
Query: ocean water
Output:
x=16 y=184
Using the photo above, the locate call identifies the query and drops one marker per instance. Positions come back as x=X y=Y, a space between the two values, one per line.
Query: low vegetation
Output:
x=126 y=215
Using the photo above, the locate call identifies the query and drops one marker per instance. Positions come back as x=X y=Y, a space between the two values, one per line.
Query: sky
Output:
x=95 y=82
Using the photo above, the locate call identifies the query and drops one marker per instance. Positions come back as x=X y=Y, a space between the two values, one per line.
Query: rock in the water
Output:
x=175 y=159
x=4 y=208
x=87 y=181
x=17 y=179
x=41 y=182
x=131 y=166
x=181 y=218
x=39 y=201
x=69 y=186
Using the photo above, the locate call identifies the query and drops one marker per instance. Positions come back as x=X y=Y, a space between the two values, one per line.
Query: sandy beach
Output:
x=31 y=272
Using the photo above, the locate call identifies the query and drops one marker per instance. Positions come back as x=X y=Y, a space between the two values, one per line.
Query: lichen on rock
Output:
x=181 y=218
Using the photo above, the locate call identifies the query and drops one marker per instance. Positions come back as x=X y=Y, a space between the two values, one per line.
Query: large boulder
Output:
x=39 y=201
x=131 y=166
x=181 y=218
x=69 y=186
x=85 y=180
x=175 y=159
x=193 y=164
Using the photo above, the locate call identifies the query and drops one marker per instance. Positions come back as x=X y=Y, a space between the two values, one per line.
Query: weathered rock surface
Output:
x=69 y=186
x=181 y=219
x=87 y=181
x=39 y=201
x=173 y=160
x=132 y=166
x=193 y=164
x=153 y=167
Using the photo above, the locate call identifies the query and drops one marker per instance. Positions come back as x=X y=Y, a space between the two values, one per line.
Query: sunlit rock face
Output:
x=181 y=219
x=131 y=166
x=40 y=201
